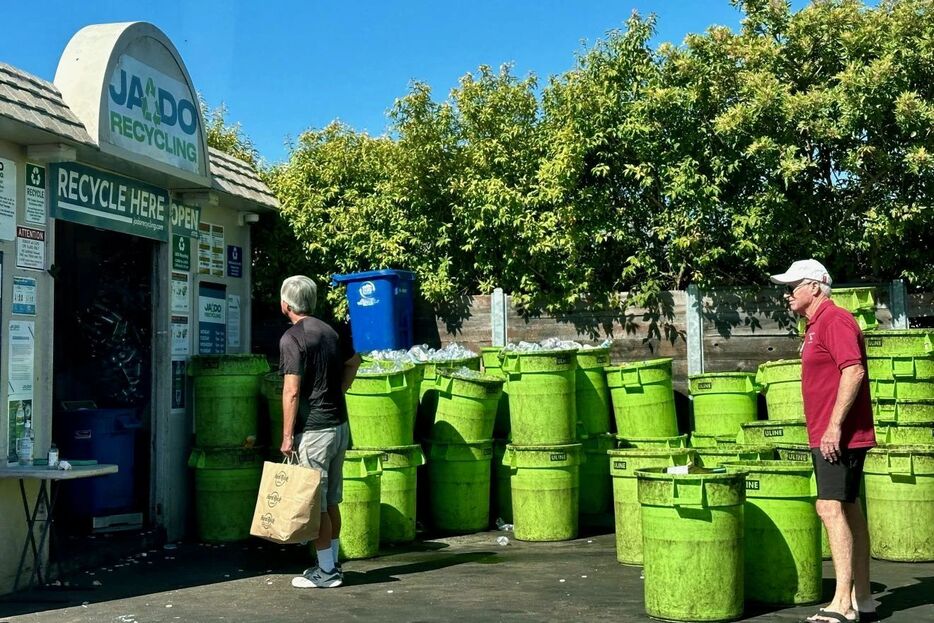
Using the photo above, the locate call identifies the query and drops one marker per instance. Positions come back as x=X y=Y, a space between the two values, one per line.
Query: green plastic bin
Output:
x=718 y=455
x=545 y=490
x=678 y=441
x=596 y=485
x=542 y=397
x=623 y=465
x=459 y=478
x=782 y=533
x=855 y=299
x=492 y=364
x=900 y=500
x=888 y=411
x=427 y=392
x=360 y=509
x=380 y=408
x=466 y=410
x=722 y=402
x=397 y=497
x=906 y=433
x=501 y=493
x=226 y=486
x=700 y=440
x=780 y=382
x=226 y=398
x=771 y=432
x=643 y=399
x=271 y=389
x=692 y=527
x=592 y=392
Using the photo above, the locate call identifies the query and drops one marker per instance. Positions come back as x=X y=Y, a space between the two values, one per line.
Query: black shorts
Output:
x=839 y=480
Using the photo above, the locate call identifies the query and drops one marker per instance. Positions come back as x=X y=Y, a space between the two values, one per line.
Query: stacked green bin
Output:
x=861 y=302
x=801 y=453
x=226 y=397
x=459 y=479
x=901 y=373
x=772 y=432
x=397 y=492
x=226 y=486
x=380 y=406
x=596 y=484
x=782 y=533
x=900 y=499
x=623 y=465
x=272 y=392
x=501 y=489
x=427 y=401
x=593 y=415
x=591 y=391
x=466 y=408
x=715 y=456
x=693 y=554
x=643 y=399
x=545 y=484
x=360 y=509
x=780 y=382
x=722 y=402
x=542 y=396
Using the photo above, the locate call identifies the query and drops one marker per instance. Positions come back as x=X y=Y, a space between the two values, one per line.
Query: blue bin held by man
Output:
x=381 y=308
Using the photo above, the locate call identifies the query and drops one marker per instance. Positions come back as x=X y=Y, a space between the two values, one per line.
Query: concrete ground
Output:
x=466 y=579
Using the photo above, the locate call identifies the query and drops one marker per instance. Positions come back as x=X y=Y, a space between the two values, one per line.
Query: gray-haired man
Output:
x=317 y=368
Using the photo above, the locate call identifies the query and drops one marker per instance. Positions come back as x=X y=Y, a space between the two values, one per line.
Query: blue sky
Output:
x=284 y=66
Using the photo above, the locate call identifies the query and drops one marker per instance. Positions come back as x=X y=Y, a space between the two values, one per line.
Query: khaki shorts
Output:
x=324 y=450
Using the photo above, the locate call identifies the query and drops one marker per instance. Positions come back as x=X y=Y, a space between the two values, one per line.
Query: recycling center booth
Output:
x=124 y=246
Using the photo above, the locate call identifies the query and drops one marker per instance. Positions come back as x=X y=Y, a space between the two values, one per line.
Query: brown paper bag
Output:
x=288 y=507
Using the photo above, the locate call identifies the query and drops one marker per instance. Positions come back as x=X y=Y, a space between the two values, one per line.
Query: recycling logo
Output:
x=35 y=176
x=151 y=93
x=367 y=290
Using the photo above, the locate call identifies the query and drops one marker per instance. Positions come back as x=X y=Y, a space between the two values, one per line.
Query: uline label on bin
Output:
x=704 y=385
x=774 y=432
x=619 y=464
x=874 y=341
x=562 y=360
x=559 y=456
x=752 y=484
x=797 y=456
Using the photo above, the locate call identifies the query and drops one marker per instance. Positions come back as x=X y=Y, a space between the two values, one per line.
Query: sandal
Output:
x=830 y=614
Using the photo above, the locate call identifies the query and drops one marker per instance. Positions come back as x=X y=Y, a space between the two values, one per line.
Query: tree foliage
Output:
x=644 y=168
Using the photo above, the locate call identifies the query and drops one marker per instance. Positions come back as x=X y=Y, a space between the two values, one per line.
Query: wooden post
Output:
x=498 y=317
x=695 y=331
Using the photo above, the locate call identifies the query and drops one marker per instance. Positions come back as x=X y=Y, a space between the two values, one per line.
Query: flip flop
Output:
x=830 y=614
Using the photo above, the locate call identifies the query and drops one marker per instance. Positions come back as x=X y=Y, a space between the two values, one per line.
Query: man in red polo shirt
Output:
x=840 y=430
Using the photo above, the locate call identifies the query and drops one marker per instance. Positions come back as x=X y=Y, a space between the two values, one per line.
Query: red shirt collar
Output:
x=820 y=310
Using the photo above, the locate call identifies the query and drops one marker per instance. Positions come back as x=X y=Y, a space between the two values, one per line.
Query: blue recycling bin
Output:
x=381 y=308
x=107 y=436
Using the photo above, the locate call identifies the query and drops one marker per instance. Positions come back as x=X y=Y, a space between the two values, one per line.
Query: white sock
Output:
x=335 y=550
x=326 y=560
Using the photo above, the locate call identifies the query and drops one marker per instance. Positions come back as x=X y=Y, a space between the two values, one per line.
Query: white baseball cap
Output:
x=804 y=269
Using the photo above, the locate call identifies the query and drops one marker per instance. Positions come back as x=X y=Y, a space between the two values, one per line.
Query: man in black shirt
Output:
x=317 y=368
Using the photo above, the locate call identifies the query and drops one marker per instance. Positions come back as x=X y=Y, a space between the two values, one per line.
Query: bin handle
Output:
x=903 y=367
x=444 y=384
x=687 y=500
x=878 y=386
x=630 y=377
x=367 y=471
x=512 y=364
x=898 y=469
x=391 y=386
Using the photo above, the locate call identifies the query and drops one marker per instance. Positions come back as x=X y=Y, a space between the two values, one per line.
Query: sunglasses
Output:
x=790 y=290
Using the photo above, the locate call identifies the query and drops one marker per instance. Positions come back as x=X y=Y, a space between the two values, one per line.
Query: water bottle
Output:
x=24 y=449
x=53 y=457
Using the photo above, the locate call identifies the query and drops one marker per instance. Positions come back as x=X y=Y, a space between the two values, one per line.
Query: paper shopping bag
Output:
x=288 y=507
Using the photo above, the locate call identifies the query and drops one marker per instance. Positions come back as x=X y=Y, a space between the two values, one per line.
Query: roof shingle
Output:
x=37 y=103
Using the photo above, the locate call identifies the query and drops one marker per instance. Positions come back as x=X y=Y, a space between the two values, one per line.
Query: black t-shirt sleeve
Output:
x=291 y=356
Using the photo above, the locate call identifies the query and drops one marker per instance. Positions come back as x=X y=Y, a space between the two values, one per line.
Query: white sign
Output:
x=24 y=296
x=35 y=195
x=181 y=294
x=181 y=336
x=233 y=320
x=7 y=199
x=22 y=356
x=218 y=251
x=152 y=114
x=30 y=248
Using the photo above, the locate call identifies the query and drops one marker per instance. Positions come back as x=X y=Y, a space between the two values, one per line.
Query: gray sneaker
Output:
x=317 y=578
x=337 y=567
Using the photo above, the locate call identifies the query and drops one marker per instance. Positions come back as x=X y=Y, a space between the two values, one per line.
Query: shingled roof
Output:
x=38 y=104
x=235 y=177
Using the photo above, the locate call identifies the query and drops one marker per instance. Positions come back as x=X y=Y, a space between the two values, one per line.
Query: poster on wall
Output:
x=178 y=384
x=21 y=336
x=217 y=251
x=30 y=248
x=212 y=319
x=181 y=253
x=181 y=294
x=204 y=248
x=234 y=261
x=233 y=320
x=181 y=336
x=24 y=296
x=35 y=195
x=7 y=199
